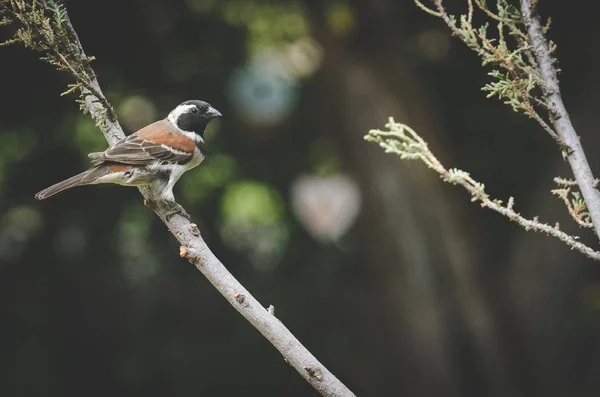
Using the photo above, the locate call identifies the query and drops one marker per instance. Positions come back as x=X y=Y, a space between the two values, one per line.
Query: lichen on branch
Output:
x=573 y=201
x=524 y=76
x=44 y=26
x=404 y=142
x=515 y=76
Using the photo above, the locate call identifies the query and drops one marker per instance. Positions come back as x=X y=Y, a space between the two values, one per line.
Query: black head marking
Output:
x=193 y=116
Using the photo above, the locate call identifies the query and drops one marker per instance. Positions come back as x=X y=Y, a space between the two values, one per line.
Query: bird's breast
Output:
x=196 y=159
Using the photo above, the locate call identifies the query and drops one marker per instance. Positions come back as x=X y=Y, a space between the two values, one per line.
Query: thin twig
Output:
x=470 y=12
x=560 y=117
x=406 y=143
x=490 y=14
x=85 y=82
x=542 y=70
x=427 y=9
x=529 y=109
x=516 y=70
x=441 y=12
x=578 y=212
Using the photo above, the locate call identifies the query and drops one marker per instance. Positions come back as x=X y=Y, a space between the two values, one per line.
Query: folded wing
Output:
x=155 y=142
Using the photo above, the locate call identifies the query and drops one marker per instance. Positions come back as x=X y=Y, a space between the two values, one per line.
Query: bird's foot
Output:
x=175 y=209
x=150 y=203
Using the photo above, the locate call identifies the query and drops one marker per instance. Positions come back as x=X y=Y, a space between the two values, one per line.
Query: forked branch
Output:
x=403 y=141
x=525 y=78
x=559 y=115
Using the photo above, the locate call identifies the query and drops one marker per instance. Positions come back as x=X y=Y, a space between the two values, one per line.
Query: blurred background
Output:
x=394 y=280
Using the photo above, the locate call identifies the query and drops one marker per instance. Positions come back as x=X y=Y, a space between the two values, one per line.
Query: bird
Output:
x=156 y=155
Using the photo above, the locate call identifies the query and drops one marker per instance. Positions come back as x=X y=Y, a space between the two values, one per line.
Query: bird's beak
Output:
x=213 y=113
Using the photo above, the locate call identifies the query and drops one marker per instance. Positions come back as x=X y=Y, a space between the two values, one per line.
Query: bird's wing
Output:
x=155 y=142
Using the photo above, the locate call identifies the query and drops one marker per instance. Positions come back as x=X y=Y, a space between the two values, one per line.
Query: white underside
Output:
x=140 y=177
x=165 y=191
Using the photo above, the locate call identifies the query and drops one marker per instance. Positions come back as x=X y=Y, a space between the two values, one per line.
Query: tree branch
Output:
x=197 y=252
x=403 y=141
x=73 y=59
x=560 y=118
x=526 y=79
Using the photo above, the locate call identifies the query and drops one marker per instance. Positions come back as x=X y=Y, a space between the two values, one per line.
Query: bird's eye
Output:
x=195 y=110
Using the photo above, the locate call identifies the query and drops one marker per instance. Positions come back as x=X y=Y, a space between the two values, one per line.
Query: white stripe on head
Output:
x=178 y=111
x=174 y=116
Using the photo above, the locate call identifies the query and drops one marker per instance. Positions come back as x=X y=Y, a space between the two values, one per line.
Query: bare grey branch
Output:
x=560 y=117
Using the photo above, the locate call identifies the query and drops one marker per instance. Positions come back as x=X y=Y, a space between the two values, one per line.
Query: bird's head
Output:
x=193 y=116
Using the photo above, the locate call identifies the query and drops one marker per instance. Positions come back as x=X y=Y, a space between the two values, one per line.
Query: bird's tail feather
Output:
x=77 y=180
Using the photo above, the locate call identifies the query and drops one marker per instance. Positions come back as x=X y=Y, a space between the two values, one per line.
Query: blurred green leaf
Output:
x=340 y=18
x=253 y=201
x=253 y=223
x=268 y=24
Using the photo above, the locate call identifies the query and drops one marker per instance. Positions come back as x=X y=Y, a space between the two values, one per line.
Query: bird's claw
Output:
x=175 y=209
x=150 y=204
